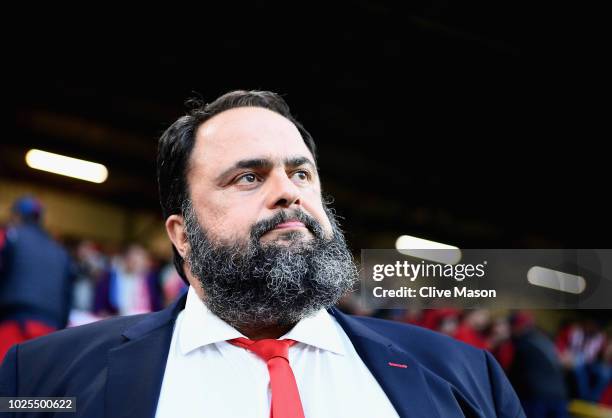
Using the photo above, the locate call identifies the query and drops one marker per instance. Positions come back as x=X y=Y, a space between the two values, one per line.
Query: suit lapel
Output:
x=136 y=367
x=398 y=373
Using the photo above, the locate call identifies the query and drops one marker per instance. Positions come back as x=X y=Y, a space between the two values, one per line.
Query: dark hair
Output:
x=176 y=144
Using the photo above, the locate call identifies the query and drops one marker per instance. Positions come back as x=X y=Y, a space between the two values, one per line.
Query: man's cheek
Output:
x=327 y=227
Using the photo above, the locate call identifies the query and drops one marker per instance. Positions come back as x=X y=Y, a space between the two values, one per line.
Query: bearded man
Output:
x=257 y=334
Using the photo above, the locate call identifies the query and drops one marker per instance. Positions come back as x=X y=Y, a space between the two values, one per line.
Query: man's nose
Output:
x=283 y=192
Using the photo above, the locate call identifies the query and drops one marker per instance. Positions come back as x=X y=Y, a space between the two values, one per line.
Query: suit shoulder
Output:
x=70 y=360
x=420 y=341
x=97 y=334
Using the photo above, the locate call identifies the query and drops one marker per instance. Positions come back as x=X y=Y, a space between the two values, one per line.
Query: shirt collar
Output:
x=199 y=327
x=318 y=330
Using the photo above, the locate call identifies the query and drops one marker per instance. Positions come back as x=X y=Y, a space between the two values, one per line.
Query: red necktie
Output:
x=285 y=396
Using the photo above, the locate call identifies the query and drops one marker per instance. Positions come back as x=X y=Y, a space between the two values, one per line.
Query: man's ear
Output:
x=175 y=227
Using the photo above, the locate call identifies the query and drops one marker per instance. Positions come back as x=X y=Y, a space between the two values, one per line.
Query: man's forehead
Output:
x=247 y=133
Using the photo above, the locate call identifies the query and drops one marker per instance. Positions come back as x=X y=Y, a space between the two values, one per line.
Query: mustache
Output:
x=266 y=225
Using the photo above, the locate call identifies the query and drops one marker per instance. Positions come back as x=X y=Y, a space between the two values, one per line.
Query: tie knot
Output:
x=267 y=349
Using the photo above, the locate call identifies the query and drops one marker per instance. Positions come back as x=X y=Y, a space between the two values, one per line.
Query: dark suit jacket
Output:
x=115 y=368
x=31 y=259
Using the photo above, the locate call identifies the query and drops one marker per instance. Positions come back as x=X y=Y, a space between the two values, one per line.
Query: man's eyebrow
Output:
x=254 y=163
x=298 y=161
x=264 y=163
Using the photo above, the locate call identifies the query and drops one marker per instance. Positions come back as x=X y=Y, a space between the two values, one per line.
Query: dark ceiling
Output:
x=447 y=121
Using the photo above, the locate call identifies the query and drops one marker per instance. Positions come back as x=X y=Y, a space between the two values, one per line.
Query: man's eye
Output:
x=301 y=175
x=249 y=178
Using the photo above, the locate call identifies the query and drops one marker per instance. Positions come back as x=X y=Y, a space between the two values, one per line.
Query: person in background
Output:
x=448 y=321
x=581 y=345
x=536 y=372
x=500 y=340
x=472 y=328
x=91 y=266
x=606 y=393
x=171 y=283
x=600 y=382
x=36 y=275
x=130 y=287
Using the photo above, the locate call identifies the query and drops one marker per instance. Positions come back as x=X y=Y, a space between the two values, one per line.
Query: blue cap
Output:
x=28 y=207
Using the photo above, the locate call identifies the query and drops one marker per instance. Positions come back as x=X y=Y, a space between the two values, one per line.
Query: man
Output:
x=35 y=278
x=257 y=334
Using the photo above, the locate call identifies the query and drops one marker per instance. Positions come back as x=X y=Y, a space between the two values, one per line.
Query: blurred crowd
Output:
x=128 y=282
x=45 y=286
x=546 y=370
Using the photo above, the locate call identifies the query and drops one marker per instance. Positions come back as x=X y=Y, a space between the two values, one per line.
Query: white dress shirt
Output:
x=206 y=376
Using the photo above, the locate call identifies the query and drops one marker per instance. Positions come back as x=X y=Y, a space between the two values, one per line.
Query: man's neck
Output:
x=260 y=333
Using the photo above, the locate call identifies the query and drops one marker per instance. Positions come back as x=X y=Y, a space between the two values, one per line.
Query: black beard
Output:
x=249 y=284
